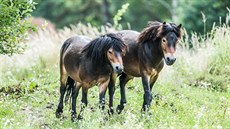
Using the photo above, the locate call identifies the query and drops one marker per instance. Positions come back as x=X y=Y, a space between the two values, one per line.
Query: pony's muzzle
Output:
x=169 y=60
x=117 y=68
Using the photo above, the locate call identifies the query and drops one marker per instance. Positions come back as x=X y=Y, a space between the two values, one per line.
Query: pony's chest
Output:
x=153 y=72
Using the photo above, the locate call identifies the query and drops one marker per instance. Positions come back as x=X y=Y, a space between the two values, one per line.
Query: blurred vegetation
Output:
x=119 y=15
x=200 y=15
x=197 y=16
x=210 y=67
x=13 y=31
x=101 y=12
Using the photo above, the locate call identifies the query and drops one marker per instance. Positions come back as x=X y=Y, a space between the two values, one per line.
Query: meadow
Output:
x=193 y=93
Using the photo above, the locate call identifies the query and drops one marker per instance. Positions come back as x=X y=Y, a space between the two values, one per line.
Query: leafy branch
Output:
x=119 y=14
x=13 y=30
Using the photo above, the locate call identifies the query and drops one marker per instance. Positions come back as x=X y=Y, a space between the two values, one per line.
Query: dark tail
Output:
x=69 y=86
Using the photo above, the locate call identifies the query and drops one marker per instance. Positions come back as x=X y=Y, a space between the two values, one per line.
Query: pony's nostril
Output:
x=167 y=59
x=170 y=59
x=174 y=59
x=118 y=69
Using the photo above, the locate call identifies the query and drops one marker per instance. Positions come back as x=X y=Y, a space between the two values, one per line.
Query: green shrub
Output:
x=13 y=29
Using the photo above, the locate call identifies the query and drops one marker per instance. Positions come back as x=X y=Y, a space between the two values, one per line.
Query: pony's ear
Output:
x=164 y=23
x=180 y=30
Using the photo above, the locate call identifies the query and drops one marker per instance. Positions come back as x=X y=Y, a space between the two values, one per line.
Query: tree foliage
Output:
x=12 y=28
x=119 y=14
x=101 y=12
x=65 y=12
x=200 y=15
x=142 y=11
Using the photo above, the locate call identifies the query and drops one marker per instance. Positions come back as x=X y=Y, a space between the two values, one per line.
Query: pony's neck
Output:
x=151 y=53
x=102 y=67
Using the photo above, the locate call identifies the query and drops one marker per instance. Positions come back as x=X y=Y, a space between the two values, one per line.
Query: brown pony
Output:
x=85 y=64
x=147 y=53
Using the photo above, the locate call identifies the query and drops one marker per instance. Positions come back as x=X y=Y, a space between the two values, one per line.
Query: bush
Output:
x=13 y=29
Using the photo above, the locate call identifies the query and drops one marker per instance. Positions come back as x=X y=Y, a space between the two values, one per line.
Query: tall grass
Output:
x=205 y=65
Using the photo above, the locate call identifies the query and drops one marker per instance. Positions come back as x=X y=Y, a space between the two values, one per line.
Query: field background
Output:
x=193 y=93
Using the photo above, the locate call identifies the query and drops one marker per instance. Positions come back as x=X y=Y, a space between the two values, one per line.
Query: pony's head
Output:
x=117 y=49
x=167 y=34
x=170 y=34
x=107 y=48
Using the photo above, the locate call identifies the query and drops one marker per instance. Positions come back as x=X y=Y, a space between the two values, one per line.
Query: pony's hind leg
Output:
x=59 y=110
x=63 y=77
x=124 y=78
x=75 y=91
x=84 y=101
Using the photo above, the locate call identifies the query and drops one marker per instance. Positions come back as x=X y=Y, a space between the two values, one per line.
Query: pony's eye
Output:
x=163 y=40
x=110 y=52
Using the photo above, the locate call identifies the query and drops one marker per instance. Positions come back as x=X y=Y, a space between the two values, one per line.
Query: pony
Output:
x=85 y=63
x=148 y=50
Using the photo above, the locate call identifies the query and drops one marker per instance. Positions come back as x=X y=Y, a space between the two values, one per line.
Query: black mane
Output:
x=96 y=50
x=156 y=30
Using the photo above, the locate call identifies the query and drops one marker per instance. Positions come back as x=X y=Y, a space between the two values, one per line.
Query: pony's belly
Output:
x=100 y=80
x=131 y=67
x=90 y=81
x=132 y=71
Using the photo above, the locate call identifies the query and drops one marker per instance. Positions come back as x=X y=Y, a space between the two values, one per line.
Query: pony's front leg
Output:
x=84 y=100
x=124 y=78
x=111 y=91
x=75 y=91
x=103 y=88
x=147 y=92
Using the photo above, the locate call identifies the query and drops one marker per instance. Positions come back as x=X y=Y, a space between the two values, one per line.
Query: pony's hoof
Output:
x=58 y=114
x=80 y=117
x=119 y=109
x=74 y=118
x=111 y=111
x=146 y=111
x=143 y=110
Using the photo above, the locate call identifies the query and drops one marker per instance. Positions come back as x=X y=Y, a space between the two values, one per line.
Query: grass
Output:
x=193 y=93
